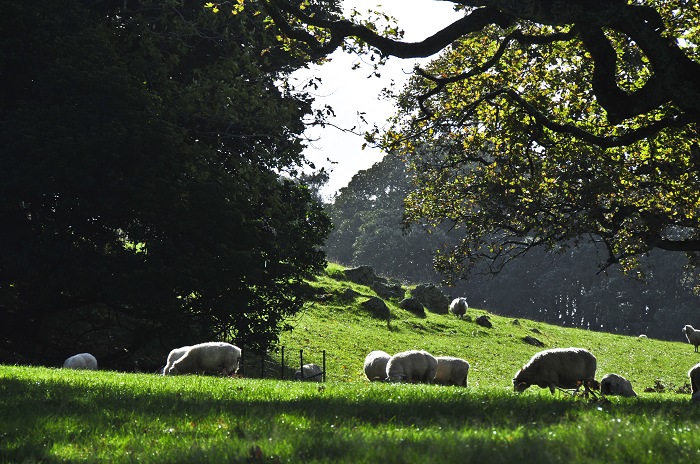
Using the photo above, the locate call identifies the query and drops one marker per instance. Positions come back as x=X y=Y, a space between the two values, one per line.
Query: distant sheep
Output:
x=410 y=366
x=211 y=356
x=692 y=335
x=613 y=384
x=557 y=367
x=375 y=365
x=174 y=355
x=459 y=307
x=81 y=361
x=451 y=371
x=312 y=373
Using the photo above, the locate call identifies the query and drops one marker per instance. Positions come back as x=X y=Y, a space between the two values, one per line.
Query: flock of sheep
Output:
x=565 y=368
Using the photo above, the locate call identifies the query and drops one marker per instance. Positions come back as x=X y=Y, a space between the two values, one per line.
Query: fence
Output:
x=260 y=366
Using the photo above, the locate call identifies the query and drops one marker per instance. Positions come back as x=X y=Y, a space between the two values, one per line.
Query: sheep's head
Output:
x=688 y=329
x=397 y=377
x=519 y=384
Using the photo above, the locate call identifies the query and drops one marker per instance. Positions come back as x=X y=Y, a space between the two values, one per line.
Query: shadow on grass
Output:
x=380 y=419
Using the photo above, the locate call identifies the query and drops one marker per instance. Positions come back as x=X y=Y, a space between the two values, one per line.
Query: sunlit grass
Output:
x=57 y=415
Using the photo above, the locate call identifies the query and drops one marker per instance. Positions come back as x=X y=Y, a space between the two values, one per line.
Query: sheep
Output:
x=459 y=307
x=694 y=374
x=613 y=384
x=311 y=373
x=375 y=365
x=81 y=361
x=173 y=356
x=210 y=356
x=557 y=367
x=451 y=371
x=692 y=335
x=412 y=365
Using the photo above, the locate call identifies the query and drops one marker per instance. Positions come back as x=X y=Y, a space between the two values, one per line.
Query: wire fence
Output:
x=281 y=365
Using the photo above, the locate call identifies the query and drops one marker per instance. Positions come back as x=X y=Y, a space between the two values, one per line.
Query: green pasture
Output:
x=49 y=414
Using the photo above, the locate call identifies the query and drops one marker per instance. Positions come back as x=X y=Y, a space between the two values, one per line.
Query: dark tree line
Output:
x=145 y=200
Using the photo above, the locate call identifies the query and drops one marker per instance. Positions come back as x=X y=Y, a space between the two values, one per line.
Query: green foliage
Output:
x=57 y=415
x=141 y=197
x=507 y=139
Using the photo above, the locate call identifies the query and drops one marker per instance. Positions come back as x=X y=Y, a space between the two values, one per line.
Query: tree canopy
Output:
x=144 y=200
x=545 y=123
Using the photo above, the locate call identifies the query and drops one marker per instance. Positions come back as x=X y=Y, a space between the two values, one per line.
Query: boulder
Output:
x=432 y=298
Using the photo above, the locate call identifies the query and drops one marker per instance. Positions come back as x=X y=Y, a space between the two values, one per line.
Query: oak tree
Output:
x=546 y=122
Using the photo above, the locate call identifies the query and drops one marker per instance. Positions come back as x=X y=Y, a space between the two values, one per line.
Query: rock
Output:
x=432 y=298
x=386 y=290
x=362 y=275
x=484 y=321
x=412 y=305
x=376 y=307
x=532 y=341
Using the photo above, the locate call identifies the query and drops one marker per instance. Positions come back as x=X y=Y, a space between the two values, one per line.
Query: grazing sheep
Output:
x=451 y=371
x=312 y=373
x=174 y=355
x=375 y=365
x=413 y=365
x=692 y=335
x=459 y=307
x=81 y=361
x=613 y=384
x=694 y=374
x=557 y=367
x=211 y=356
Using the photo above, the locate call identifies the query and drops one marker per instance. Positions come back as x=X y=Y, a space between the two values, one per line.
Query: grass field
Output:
x=55 y=415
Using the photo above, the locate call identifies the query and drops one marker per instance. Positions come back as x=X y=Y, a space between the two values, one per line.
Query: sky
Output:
x=350 y=91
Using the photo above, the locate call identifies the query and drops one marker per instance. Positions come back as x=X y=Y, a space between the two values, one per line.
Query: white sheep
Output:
x=451 y=371
x=557 y=367
x=375 y=365
x=694 y=374
x=692 y=335
x=312 y=373
x=459 y=307
x=614 y=384
x=210 y=356
x=81 y=361
x=173 y=356
x=412 y=365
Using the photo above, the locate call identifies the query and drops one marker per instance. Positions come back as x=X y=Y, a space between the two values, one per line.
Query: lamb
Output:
x=459 y=307
x=311 y=373
x=375 y=365
x=81 y=361
x=451 y=371
x=557 y=367
x=693 y=335
x=174 y=355
x=613 y=384
x=211 y=356
x=412 y=365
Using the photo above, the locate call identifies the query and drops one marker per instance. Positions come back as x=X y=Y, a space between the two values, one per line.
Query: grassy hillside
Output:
x=57 y=415
x=347 y=333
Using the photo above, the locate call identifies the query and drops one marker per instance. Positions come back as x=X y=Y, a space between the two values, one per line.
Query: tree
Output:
x=367 y=217
x=551 y=122
x=141 y=198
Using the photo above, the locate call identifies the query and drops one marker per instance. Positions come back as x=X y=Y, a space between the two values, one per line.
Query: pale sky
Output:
x=350 y=91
